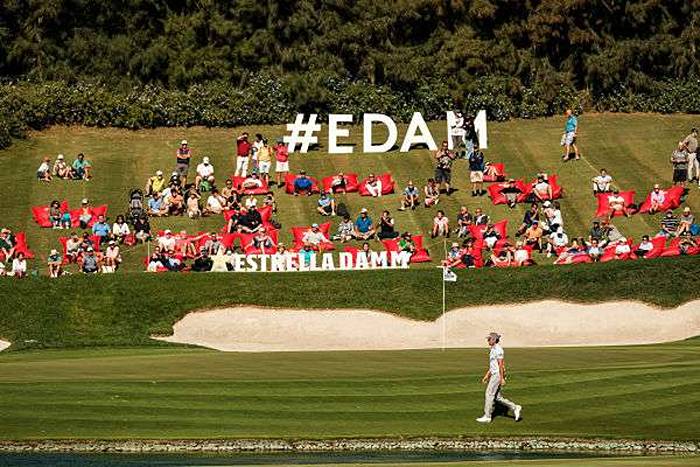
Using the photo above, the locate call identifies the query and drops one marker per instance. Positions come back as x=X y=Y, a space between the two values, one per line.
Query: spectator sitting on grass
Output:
x=155 y=184
x=532 y=214
x=156 y=207
x=686 y=245
x=669 y=224
x=601 y=182
x=303 y=185
x=644 y=247
x=622 y=249
x=90 y=263
x=553 y=217
x=215 y=203
x=533 y=236
x=541 y=189
x=406 y=243
x=521 y=255
x=142 y=229
x=491 y=236
x=112 y=257
x=212 y=244
x=364 y=229
x=511 y=192
x=504 y=258
x=81 y=168
x=338 y=184
x=262 y=240
x=432 y=193
x=611 y=233
x=7 y=244
x=596 y=233
x=55 y=264
x=306 y=255
x=686 y=222
x=657 y=198
x=326 y=204
x=86 y=242
x=346 y=230
x=480 y=218
x=250 y=221
x=55 y=214
x=120 y=229
x=386 y=227
x=102 y=229
x=250 y=202
x=202 y=262
x=43 y=173
x=85 y=213
x=19 y=266
x=252 y=182
x=204 y=179
x=454 y=256
x=557 y=240
x=617 y=205
x=228 y=190
x=270 y=201
x=61 y=169
x=193 y=210
x=314 y=237
x=176 y=202
x=469 y=253
x=374 y=186
x=464 y=220
x=411 y=197
x=441 y=225
x=167 y=241
x=594 y=250
x=73 y=248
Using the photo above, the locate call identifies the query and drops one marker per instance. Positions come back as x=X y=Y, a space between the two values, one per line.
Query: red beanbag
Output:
x=249 y=249
x=21 y=245
x=498 y=198
x=579 y=258
x=672 y=201
x=477 y=231
x=673 y=248
x=500 y=175
x=289 y=184
x=95 y=211
x=658 y=248
x=609 y=253
x=603 y=206
x=352 y=185
x=40 y=214
x=421 y=255
x=238 y=184
x=388 y=184
x=298 y=234
x=557 y=190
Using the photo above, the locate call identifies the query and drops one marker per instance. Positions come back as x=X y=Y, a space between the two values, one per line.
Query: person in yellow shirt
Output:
x=155 y=184
x=264 y=161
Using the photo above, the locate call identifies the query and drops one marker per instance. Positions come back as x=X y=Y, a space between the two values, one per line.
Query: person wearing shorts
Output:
x=569 y=137
x=243 y=150
x=443 y=167
x=282 y=162
x=264 y=161
x=679 y=160
x=182 y=160
x=476 y=172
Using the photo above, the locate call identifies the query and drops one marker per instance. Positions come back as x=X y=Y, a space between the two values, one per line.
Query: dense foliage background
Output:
x=136 y=63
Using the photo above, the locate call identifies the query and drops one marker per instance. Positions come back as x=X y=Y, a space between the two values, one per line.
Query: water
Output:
x=131 y=460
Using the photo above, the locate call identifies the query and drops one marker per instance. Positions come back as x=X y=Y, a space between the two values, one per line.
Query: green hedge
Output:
x=266 y=99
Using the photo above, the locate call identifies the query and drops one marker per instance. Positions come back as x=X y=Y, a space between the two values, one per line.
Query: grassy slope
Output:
x=631 y=392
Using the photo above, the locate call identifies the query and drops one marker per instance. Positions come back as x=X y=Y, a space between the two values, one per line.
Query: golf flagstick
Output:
x=444 y=292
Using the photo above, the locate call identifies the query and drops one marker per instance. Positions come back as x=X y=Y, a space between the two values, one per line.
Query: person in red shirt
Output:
x=282 y=164
x=243 y=148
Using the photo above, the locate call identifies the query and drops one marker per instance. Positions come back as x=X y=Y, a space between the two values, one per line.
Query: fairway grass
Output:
x=644 y=392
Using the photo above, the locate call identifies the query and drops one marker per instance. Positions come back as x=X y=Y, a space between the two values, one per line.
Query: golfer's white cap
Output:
x=205 y=160
x=159 y=172
x=184 y=141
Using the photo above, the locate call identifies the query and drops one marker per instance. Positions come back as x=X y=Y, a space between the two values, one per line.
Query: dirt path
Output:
x=547 y=323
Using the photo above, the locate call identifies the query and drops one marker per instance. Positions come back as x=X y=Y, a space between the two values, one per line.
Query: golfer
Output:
x=494 y=379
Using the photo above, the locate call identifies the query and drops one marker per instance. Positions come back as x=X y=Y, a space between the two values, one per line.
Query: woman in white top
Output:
x=19 y=266
x=120 y=229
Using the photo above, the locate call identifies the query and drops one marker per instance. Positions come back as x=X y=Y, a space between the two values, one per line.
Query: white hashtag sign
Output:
x=302 y=133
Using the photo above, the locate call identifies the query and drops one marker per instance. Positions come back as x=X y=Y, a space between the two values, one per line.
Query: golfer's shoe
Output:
x=516 y=412
x=484 y=419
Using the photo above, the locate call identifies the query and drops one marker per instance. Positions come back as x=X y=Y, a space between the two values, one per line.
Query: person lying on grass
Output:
x=120 y=229
x=364 y=228
x=345 y=231
x=54 y=263
x=326 y=204
x=531 y=215
x=374 y=186
x=464 y=220
x=669 y=224
x=602 y=182
x=61 y=169
x=303 y=185
x=314 y=237
x=657 y=198
x=410 y=198
x=685 y=223
x=81 y=168
x=43 y=173
x=386 y=227
x=511 y=192
x=441 y=225
x=431 y=191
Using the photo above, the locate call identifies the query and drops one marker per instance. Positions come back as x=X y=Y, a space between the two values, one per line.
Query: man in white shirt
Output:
x=494 y=379
x=314 y=236
x=374 y=186
x=601 y=183
x=167 y=242
x=205 y=171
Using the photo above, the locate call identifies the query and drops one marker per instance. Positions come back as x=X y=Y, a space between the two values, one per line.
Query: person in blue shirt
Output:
x=155 y=205
x=101 y=228
x=364 y=230
x=568 y=140
x=303 y=184
x=411 y=197
x=476 y=172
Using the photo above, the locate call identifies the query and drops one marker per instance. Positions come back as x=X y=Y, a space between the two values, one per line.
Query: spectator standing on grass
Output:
x=568 y=139
x=690 y=144
x=443 y=167
x=601 y=182
x=282 y=162
x=679 y=161
x=476 y=172
x=495 y=379
x=264 y=154
x=243 y=150
x=183 y=155
x=81 y=169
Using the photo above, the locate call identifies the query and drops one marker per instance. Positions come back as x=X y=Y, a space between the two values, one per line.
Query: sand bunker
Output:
x=547 y=323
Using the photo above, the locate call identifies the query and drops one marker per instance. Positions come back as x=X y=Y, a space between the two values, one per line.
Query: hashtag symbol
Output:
x=302 y=133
